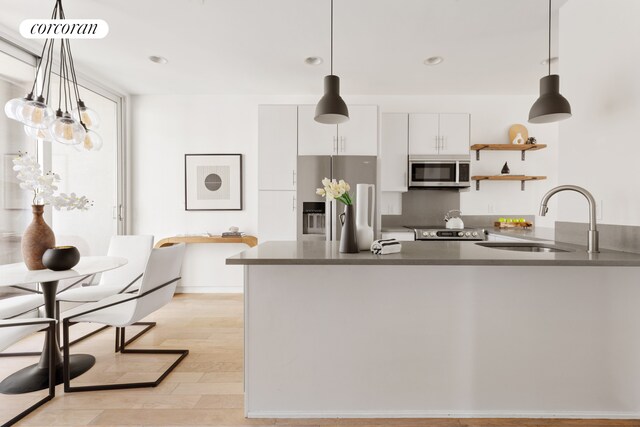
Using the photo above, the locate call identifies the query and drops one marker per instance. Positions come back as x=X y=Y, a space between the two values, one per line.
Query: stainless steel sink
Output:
x=523 y=247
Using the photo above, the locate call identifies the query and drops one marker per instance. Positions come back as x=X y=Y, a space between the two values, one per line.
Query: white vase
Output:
x=364 y=217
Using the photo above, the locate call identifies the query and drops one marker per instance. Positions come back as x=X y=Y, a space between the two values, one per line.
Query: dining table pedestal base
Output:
x=34 y=378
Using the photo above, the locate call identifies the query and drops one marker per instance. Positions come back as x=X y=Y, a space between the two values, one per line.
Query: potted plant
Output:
x=339 y=190
x=38 y=237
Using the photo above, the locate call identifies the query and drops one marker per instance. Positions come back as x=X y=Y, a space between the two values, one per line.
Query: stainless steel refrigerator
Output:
x=318 y=219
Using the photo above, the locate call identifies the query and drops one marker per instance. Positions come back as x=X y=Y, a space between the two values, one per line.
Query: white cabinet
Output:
x=424 y=137
x=276 y=215
x=357 y=137
x=454 y=133
x=277 y=147
x=394 y=152
x=435 y=134
x=315 y=139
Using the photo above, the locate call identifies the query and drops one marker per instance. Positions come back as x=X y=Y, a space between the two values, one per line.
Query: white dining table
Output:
x=36 y=377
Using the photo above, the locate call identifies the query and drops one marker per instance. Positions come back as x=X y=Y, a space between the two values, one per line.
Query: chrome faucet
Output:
x=592 y=241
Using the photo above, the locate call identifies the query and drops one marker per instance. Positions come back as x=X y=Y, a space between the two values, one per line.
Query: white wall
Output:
x=599 y=69
x=164 y=128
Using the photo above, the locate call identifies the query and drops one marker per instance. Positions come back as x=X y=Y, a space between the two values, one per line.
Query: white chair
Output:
x=156 y=290
x=21 y=304
x=126 y=279
x=12 y=331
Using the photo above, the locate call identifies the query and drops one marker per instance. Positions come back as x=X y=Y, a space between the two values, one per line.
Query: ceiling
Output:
x=259 y=46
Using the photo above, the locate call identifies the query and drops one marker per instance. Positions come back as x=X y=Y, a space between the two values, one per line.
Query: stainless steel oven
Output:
x=438 y=172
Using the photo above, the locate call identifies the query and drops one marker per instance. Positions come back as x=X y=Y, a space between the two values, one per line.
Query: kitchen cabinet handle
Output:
x=335 y=144
x=437 y=146
x=344 y=144
x=294 y=204
x=293 y=178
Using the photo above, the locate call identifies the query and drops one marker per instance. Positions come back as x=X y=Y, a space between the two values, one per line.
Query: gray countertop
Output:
x=534 y=233
x=425 y=253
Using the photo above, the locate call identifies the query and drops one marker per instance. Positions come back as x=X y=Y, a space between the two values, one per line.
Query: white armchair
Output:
x=12 y=331
x=121 y=310
x=126 y=279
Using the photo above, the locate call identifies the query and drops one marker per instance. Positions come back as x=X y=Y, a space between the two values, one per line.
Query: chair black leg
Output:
x=51 y=331
x=121 y=344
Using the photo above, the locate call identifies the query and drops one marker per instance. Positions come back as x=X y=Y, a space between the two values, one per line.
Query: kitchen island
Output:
x=443 y=329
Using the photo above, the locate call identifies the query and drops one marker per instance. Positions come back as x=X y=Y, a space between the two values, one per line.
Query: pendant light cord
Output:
x=549 y=57
x=331 y=37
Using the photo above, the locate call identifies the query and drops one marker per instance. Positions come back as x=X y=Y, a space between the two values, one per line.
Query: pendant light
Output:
x=331 y=108
x=71 y=122
x=551 y=106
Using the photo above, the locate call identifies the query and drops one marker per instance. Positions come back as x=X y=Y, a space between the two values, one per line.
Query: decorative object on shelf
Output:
x=531 y=141
x=331 y=108
x=505 y=169
x=38 y=237
x=77 y=123
x=233 y=232
x=60 y=258
x=551 y=106
x=213 y=182
x=364 y=222
x=339 y=190
x=518 y=132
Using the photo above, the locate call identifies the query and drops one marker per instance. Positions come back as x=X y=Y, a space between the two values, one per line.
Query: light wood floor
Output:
x=205 y=390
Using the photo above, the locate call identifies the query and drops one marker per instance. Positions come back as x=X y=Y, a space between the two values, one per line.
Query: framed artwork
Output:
x=213 y=182
x=14 y=196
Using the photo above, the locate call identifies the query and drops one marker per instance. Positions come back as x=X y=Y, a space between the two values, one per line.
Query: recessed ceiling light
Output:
x=434 y=60
x=313 y=60
x=158 y=59
x=545 y=61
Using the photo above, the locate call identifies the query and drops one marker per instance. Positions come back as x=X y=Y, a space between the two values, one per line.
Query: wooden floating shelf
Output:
x=521 y=178
x=507 y=147
x=250 y=241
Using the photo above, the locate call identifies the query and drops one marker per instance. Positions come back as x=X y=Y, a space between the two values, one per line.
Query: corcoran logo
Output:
x=64 y=28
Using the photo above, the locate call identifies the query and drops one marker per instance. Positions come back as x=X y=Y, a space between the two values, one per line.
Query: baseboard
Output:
x=445 y=414
x=209 y=289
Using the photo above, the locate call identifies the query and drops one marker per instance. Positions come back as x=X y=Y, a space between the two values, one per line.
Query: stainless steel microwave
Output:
x=438 y=172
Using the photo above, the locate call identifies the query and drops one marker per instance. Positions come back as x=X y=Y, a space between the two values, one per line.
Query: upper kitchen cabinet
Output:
x=315 y=139
x=394 y=151
x=435 y=134
x=357 y=137
x=277 y=147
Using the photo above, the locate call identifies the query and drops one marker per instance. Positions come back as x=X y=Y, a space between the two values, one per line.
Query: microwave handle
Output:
x=458 y=172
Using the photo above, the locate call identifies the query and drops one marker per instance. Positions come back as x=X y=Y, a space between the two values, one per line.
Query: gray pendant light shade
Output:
x=331 y=108
x=551 y=106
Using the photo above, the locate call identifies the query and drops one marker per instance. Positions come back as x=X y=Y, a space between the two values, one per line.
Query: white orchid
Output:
x=335 y=190
x=43 y=186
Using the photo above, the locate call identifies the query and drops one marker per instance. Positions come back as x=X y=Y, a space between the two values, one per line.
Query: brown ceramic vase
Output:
x=37 y=238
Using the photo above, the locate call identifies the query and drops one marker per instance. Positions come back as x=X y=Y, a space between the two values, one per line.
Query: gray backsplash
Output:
x=624 y=238
x=423 y=207
x=428 y=207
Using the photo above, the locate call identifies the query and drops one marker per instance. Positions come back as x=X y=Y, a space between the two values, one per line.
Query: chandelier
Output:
x=72 y=123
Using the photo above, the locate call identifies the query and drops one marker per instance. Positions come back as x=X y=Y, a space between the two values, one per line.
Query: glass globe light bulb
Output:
x=92 y=142
x=87 y=116
x=36 y=114
x=12 y=106
x=67 y=131
x=42 y=134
